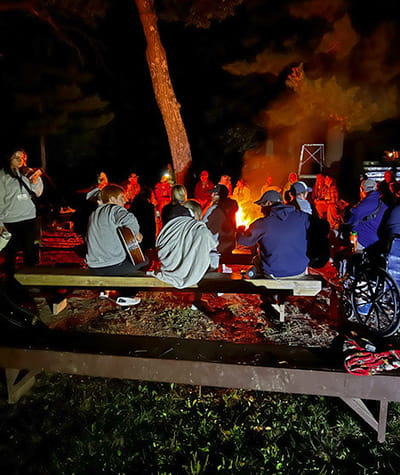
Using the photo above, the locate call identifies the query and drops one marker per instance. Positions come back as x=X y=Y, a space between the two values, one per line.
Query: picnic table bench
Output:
x=61 y=277
x=259 y=366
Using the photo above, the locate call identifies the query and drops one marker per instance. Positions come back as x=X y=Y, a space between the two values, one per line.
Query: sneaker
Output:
x=226 y=269
x=364 y=308
x=128 y=301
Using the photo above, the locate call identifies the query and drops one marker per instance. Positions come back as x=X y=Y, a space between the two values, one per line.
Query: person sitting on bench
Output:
x=186 y=249
x=281 y=235
x=106 y=254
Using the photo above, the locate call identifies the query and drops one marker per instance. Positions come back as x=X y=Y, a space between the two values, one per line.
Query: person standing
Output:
x=202 y=188
x=18 y=210
x=131 y=187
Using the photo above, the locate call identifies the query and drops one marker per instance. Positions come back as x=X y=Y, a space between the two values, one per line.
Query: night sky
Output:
x=221 y=110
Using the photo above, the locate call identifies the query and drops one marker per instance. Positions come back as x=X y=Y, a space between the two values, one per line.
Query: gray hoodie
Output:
x=15 y=200
x=104 y=245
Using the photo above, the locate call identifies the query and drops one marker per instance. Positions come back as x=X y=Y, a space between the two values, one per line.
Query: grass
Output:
x=78 y=425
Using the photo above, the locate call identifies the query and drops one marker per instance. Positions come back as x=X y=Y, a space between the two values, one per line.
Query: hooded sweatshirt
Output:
x=282 y=237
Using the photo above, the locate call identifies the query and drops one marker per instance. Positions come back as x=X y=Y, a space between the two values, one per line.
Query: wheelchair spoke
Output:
x=375 y=299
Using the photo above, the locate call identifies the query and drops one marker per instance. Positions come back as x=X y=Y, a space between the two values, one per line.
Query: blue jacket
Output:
x=392 y=223
x=282 y=237
x=367 y=230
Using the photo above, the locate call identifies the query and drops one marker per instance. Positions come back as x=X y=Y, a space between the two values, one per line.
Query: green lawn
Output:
x=78 y=425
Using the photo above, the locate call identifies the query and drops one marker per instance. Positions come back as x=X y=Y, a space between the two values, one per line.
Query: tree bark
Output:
x=164 y=91
x=43 y=159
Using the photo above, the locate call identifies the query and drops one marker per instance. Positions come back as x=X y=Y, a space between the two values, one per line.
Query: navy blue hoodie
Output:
x=282 y=237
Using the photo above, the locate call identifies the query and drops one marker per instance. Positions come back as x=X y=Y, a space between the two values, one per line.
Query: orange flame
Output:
x=242 y=219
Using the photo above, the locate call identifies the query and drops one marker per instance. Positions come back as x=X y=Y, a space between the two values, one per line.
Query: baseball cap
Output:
x=300 y=187
x=368 y=185
x=270 y=195
x=222 y=190
x=204 y=173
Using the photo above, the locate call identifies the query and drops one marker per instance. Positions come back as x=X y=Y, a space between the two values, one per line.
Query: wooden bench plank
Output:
x=213 y=281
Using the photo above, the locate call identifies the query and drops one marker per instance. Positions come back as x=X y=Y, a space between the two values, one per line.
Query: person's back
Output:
x=184 y=248
x=175 y=208
x=281 y=235
x=220 y=220
x=105 y=252
x=144 y=211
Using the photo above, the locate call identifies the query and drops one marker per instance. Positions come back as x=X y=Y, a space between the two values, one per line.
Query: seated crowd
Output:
x=294 y=228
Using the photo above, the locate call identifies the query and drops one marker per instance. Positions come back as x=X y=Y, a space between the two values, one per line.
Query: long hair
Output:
x=7 y=161
x=178 y=194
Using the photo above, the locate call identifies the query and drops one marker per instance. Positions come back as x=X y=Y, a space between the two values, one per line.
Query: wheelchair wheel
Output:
x=375 y=298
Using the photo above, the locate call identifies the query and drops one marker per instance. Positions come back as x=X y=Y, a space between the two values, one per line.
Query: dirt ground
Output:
x=228 y=317
x=309 y=321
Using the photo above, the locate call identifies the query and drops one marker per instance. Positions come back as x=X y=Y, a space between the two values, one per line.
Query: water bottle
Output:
x=5 y=237
x=353 y=240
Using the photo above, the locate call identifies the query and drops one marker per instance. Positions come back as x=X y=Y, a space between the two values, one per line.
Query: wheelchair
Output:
x=371 y=285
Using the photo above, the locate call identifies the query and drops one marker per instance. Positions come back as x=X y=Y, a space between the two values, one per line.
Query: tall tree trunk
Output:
x=43 y=159
x=164 y=91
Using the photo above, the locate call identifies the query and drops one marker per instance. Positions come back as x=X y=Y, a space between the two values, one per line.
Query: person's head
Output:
x=194 y=207
x=329 y=180
x=178 y=194
x=319 y=179
x=204 y=176
x=299 y=189
x=164 y=179
x=219 y=193
x=133 y=177
x=241 y=183
x=225 y=180
x=367 y=186
x=268 y=199
x=17 y=159
x=269 y=180
x=102 y=179
x=113 y=194
x=292 y=177
x=388 y=176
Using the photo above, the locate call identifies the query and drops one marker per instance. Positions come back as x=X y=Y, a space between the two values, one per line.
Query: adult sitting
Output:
x=366 y=216
x=106 y=255
x=220 y=219
x=184 y=248
x=281 y=235
x=144 y=211
x=175 y=207
x=298 y=197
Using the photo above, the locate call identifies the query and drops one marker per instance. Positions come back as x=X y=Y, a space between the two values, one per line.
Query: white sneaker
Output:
x=104 y=294
x=226 y=269
x=128 y=301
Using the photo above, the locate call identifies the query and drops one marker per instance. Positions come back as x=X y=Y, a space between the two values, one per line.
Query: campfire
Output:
x=242 y=218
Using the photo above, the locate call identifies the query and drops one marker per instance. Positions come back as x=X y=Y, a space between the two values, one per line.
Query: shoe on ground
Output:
x=128 y=301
